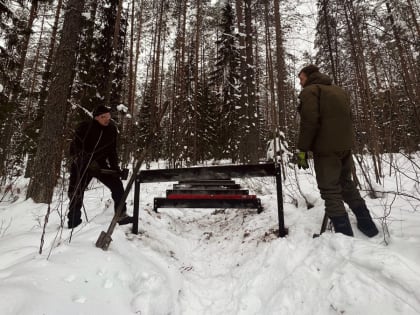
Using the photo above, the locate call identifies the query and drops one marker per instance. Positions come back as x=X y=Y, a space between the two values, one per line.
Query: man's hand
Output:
x=94 y=167
x=116 y=172
x=302 y=160
x=123 y=173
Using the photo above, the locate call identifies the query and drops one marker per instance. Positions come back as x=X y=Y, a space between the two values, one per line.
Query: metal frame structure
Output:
x=209 y=176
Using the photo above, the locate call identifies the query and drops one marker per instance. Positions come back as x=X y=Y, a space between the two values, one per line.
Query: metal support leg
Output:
x=282 y=229
x=135 y=228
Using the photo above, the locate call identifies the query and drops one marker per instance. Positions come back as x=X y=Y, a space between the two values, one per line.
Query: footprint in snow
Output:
x=79 y=299
x=108 y=284
x=70 y=278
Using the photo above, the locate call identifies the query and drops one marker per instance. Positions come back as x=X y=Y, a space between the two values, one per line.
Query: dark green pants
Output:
x=333 y=175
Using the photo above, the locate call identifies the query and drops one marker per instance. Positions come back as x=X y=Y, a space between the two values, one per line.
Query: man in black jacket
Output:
x=93 y=149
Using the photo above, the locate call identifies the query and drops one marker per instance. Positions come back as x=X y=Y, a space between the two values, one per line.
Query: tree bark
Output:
x=108 y=89
x=410 y=86
x=353 y=25
x=242 y=100
x=252 y=136
x=196 y=87
x=43 y=93
x=131 y=61
x=46 y=76
x=281 y=68
x=139 y=34
x=13 y=121
x=414 y=17
x=50 y=147
x=329 y=38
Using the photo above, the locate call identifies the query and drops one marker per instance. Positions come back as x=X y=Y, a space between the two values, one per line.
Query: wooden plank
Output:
x=205 y=186
x=208 y=203
x=208 y=181
x=223 y=172
x=212 y=191
x=208 y=196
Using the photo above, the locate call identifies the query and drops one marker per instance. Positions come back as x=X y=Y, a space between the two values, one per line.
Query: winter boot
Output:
x=364 y=221
x=342 y=225
x=73 y=222
x=125 y=219
x=74 y=218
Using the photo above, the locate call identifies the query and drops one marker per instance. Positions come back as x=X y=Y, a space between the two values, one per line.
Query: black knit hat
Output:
x=308 y=70
x=101 y=110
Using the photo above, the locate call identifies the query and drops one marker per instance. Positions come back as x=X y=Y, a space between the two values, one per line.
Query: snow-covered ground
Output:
x=213 y=261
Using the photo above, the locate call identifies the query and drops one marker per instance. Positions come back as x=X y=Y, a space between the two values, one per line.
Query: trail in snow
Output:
x=213 y=253
x=230 y=263
x=210 y=261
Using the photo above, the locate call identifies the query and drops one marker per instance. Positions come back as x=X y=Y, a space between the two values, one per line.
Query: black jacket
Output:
x=94 y=142
x=325 y=116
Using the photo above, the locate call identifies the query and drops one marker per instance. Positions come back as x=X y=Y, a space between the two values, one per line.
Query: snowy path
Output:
x=229 y=265
x=211 y=259
x=208 y=261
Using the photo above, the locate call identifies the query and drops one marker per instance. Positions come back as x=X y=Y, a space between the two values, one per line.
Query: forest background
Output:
x=225 y=69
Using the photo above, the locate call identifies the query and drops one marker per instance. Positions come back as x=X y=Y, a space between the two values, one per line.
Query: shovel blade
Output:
x=103 y=241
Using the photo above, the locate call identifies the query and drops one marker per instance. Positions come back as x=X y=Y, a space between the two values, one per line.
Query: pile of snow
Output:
x=211 y=261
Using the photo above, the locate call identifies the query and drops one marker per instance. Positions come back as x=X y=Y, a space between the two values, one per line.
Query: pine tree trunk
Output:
x=410 y=86
x=326 y=19
x=178 y=85
x=43 y=93
x=115 y=38
x=29 y=109
x=281 y=68
x=196 y=87
x=12 y=124
x=50 y=147
x=139 y=34
x=26 y=38
x=34 y=70
x=87 y=75
x=241 y=139
x=252 y=136
x=48 y=63
x=273 y=124
x=131 y=61
x=363 y=83
x=414 y=17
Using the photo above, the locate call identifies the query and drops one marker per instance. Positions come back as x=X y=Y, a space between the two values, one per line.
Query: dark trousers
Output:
x=80 y=178
x=333 y=175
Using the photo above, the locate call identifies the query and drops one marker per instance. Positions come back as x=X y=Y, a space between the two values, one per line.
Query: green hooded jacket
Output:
x=325 y=116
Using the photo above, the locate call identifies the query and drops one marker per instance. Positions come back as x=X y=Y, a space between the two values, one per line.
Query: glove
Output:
x=94 y=167
x=123 y=173
x=302 y=160
x=120 y=173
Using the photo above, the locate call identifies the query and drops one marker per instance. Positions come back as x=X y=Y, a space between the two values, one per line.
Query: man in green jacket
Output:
x=326 y=130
